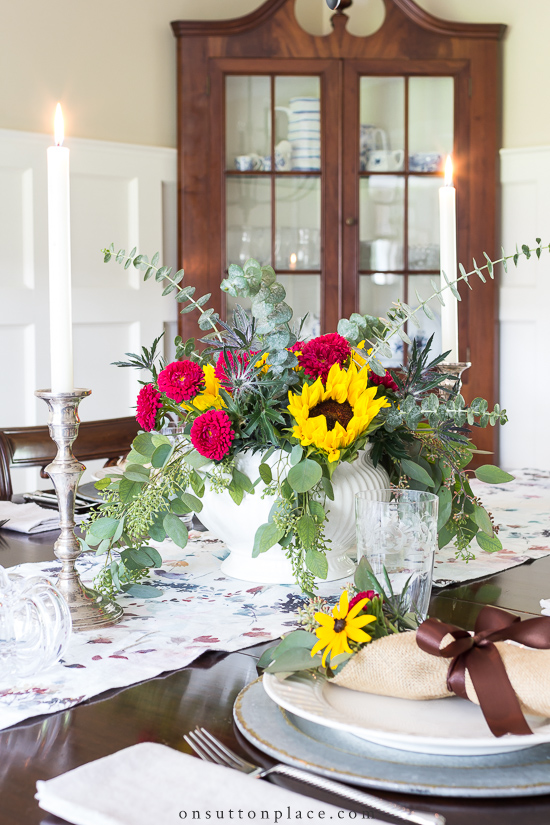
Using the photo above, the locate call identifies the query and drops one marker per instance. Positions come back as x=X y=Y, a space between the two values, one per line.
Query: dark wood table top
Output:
x=164 y=708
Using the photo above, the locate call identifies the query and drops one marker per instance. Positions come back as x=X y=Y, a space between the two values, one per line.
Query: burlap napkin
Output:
x=396 y=666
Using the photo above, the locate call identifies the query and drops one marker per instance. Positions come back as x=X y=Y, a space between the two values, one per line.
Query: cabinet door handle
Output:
x=351 y=221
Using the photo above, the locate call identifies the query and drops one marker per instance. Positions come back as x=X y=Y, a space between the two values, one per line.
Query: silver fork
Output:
x=211 y=750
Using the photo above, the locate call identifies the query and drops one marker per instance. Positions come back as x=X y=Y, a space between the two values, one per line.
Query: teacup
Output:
x=283 y=156
x=386 y=160
x=248 y=163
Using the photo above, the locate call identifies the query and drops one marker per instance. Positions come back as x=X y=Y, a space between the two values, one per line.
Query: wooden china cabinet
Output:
x=323 y=156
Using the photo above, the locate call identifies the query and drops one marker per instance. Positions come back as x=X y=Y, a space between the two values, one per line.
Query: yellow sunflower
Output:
x=344 y=624
x=210 y=398
x=333 y=415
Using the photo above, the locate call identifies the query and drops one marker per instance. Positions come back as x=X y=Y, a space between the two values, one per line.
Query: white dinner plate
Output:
x=453 y=726
x=340 y=755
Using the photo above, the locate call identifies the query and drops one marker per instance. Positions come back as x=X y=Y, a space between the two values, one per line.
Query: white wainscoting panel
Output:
x=524 y=303
x=119 y=193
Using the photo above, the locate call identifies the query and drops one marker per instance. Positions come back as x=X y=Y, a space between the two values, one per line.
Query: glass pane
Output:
x=248 y=219
x=247 y=122
x=297 y=223
x=422 y=284
x=381 y=222
x=431 y=122
x=303 y=293
x=376 y=294
x=382 y=124
x=424 y=223
x=297 y=123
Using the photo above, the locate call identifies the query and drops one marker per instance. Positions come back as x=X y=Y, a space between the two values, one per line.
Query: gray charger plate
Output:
x=339 y=755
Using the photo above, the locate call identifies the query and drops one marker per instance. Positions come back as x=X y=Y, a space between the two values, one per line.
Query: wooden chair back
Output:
x=110 y=439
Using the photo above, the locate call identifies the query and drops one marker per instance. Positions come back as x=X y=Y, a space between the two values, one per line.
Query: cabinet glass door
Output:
x=273 y=151
x=405 y=133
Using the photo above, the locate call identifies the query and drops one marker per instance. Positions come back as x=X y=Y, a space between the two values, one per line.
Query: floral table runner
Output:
x=521 y=508
x=201 y=609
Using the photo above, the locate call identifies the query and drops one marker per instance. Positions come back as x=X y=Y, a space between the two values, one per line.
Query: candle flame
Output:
x=58 y=126
x=293 y=259
x=448 y=171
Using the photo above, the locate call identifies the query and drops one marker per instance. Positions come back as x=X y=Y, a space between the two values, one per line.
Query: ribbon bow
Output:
x=478 y=653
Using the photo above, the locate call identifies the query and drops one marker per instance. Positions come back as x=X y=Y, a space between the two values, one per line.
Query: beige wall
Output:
x=112 y=62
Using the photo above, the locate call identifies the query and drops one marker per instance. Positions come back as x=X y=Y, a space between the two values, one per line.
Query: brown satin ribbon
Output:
x=497 y=699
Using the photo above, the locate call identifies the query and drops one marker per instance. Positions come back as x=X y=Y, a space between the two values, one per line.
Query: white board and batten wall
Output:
x=120 y=193
x=524 y=309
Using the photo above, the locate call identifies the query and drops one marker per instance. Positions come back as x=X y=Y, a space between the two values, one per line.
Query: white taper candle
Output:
x=447 y=246
x=59 y=238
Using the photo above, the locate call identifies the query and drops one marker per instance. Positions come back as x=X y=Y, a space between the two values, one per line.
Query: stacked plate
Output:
x=437 y=747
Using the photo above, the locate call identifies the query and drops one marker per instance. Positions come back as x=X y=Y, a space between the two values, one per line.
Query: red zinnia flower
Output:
x=148 y=402
x=319 y=354
x=365 y=594
x=212 y=434
x=383 y=381
x=181 y=380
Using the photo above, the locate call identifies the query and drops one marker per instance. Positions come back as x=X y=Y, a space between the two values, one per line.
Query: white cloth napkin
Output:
x=545 y=607
x=151 y=783
x=28 y=518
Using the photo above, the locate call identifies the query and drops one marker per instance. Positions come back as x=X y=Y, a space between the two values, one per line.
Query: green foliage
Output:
x=423 y=438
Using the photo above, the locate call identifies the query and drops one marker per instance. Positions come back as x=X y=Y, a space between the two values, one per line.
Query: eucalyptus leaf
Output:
x=128 y=490
x=192 y=502
x=143 y=444
x=175 y=529
x=104 y=528
x=305 y=475
x=296 y=454
x=265 y=473
x=491 y=474
x=142 y=591
x=317 y=563
x=417 y=472
x=295 y=659
x=445 y=507
x=306 y=529
x=267 y=535
x=491 y=544
x=481 y=518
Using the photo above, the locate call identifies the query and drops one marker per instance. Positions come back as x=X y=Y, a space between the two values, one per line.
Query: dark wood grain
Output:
x=164 y=708
x=410 y=42
x=108 y=438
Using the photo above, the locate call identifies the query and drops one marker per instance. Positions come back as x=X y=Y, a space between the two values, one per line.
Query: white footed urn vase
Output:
x=236 y=525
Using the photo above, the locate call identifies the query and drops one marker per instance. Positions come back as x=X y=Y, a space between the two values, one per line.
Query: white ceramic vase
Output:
x=236 y=525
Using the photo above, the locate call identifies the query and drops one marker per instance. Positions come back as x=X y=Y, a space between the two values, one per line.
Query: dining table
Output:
x=164 y=708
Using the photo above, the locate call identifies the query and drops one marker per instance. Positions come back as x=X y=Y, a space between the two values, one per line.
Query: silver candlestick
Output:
x=89 y=609
x=454 y=377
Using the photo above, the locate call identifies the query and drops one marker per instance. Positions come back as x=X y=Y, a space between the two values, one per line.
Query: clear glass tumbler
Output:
x=397 y=529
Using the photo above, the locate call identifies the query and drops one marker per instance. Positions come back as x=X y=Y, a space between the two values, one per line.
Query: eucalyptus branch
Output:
x=161 y=273
x=359 y=327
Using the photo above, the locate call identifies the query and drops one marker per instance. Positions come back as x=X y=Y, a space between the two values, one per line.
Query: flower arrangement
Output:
x=258 y=385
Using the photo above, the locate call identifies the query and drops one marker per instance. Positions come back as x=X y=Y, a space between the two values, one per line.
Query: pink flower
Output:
x=181 y=380
x=365 y=594
x=212 y=434
x=148 y=402
x=319 y=354
x=383 y=381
